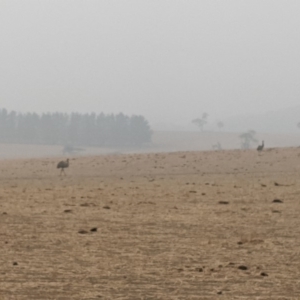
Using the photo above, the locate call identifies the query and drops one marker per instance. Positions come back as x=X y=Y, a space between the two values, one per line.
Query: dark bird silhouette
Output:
x=261 y=147
x=62 y=165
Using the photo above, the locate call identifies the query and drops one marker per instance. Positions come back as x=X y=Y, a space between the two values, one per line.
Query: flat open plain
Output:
x=162 y=232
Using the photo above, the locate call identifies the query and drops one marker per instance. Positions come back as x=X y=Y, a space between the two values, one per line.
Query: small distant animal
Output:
x=217 y=146
x=69 y=149
x=261 y=147
x=62 y=165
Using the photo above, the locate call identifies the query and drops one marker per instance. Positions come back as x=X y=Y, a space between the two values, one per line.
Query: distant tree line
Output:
x=75 y=128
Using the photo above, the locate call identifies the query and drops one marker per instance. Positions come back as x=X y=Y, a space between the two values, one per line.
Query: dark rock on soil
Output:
x=223 y=202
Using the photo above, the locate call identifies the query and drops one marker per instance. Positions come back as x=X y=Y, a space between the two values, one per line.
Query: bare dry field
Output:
x=182 y=225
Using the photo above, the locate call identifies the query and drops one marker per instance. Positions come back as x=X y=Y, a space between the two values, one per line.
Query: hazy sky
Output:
x=167 y=60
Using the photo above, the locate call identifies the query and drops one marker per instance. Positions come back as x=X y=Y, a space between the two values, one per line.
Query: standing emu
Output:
x=62 y=165
x=261 y=147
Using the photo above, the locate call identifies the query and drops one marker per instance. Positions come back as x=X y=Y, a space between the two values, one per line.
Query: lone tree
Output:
x=247 y=139
x=200 y=122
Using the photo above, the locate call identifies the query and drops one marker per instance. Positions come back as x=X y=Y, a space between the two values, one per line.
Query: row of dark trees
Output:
x=76 y=129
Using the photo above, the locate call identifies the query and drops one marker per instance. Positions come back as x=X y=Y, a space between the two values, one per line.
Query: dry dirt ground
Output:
x=185 y=225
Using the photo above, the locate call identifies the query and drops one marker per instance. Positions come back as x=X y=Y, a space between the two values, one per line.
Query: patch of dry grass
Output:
x=162 y=232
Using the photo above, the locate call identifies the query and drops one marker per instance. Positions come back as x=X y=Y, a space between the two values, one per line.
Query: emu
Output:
x=261 y=147
x=62 y=165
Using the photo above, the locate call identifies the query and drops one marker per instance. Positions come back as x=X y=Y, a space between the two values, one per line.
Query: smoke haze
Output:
x=167 y=60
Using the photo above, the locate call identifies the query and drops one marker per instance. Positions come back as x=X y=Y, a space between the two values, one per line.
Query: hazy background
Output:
x=167 y=60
